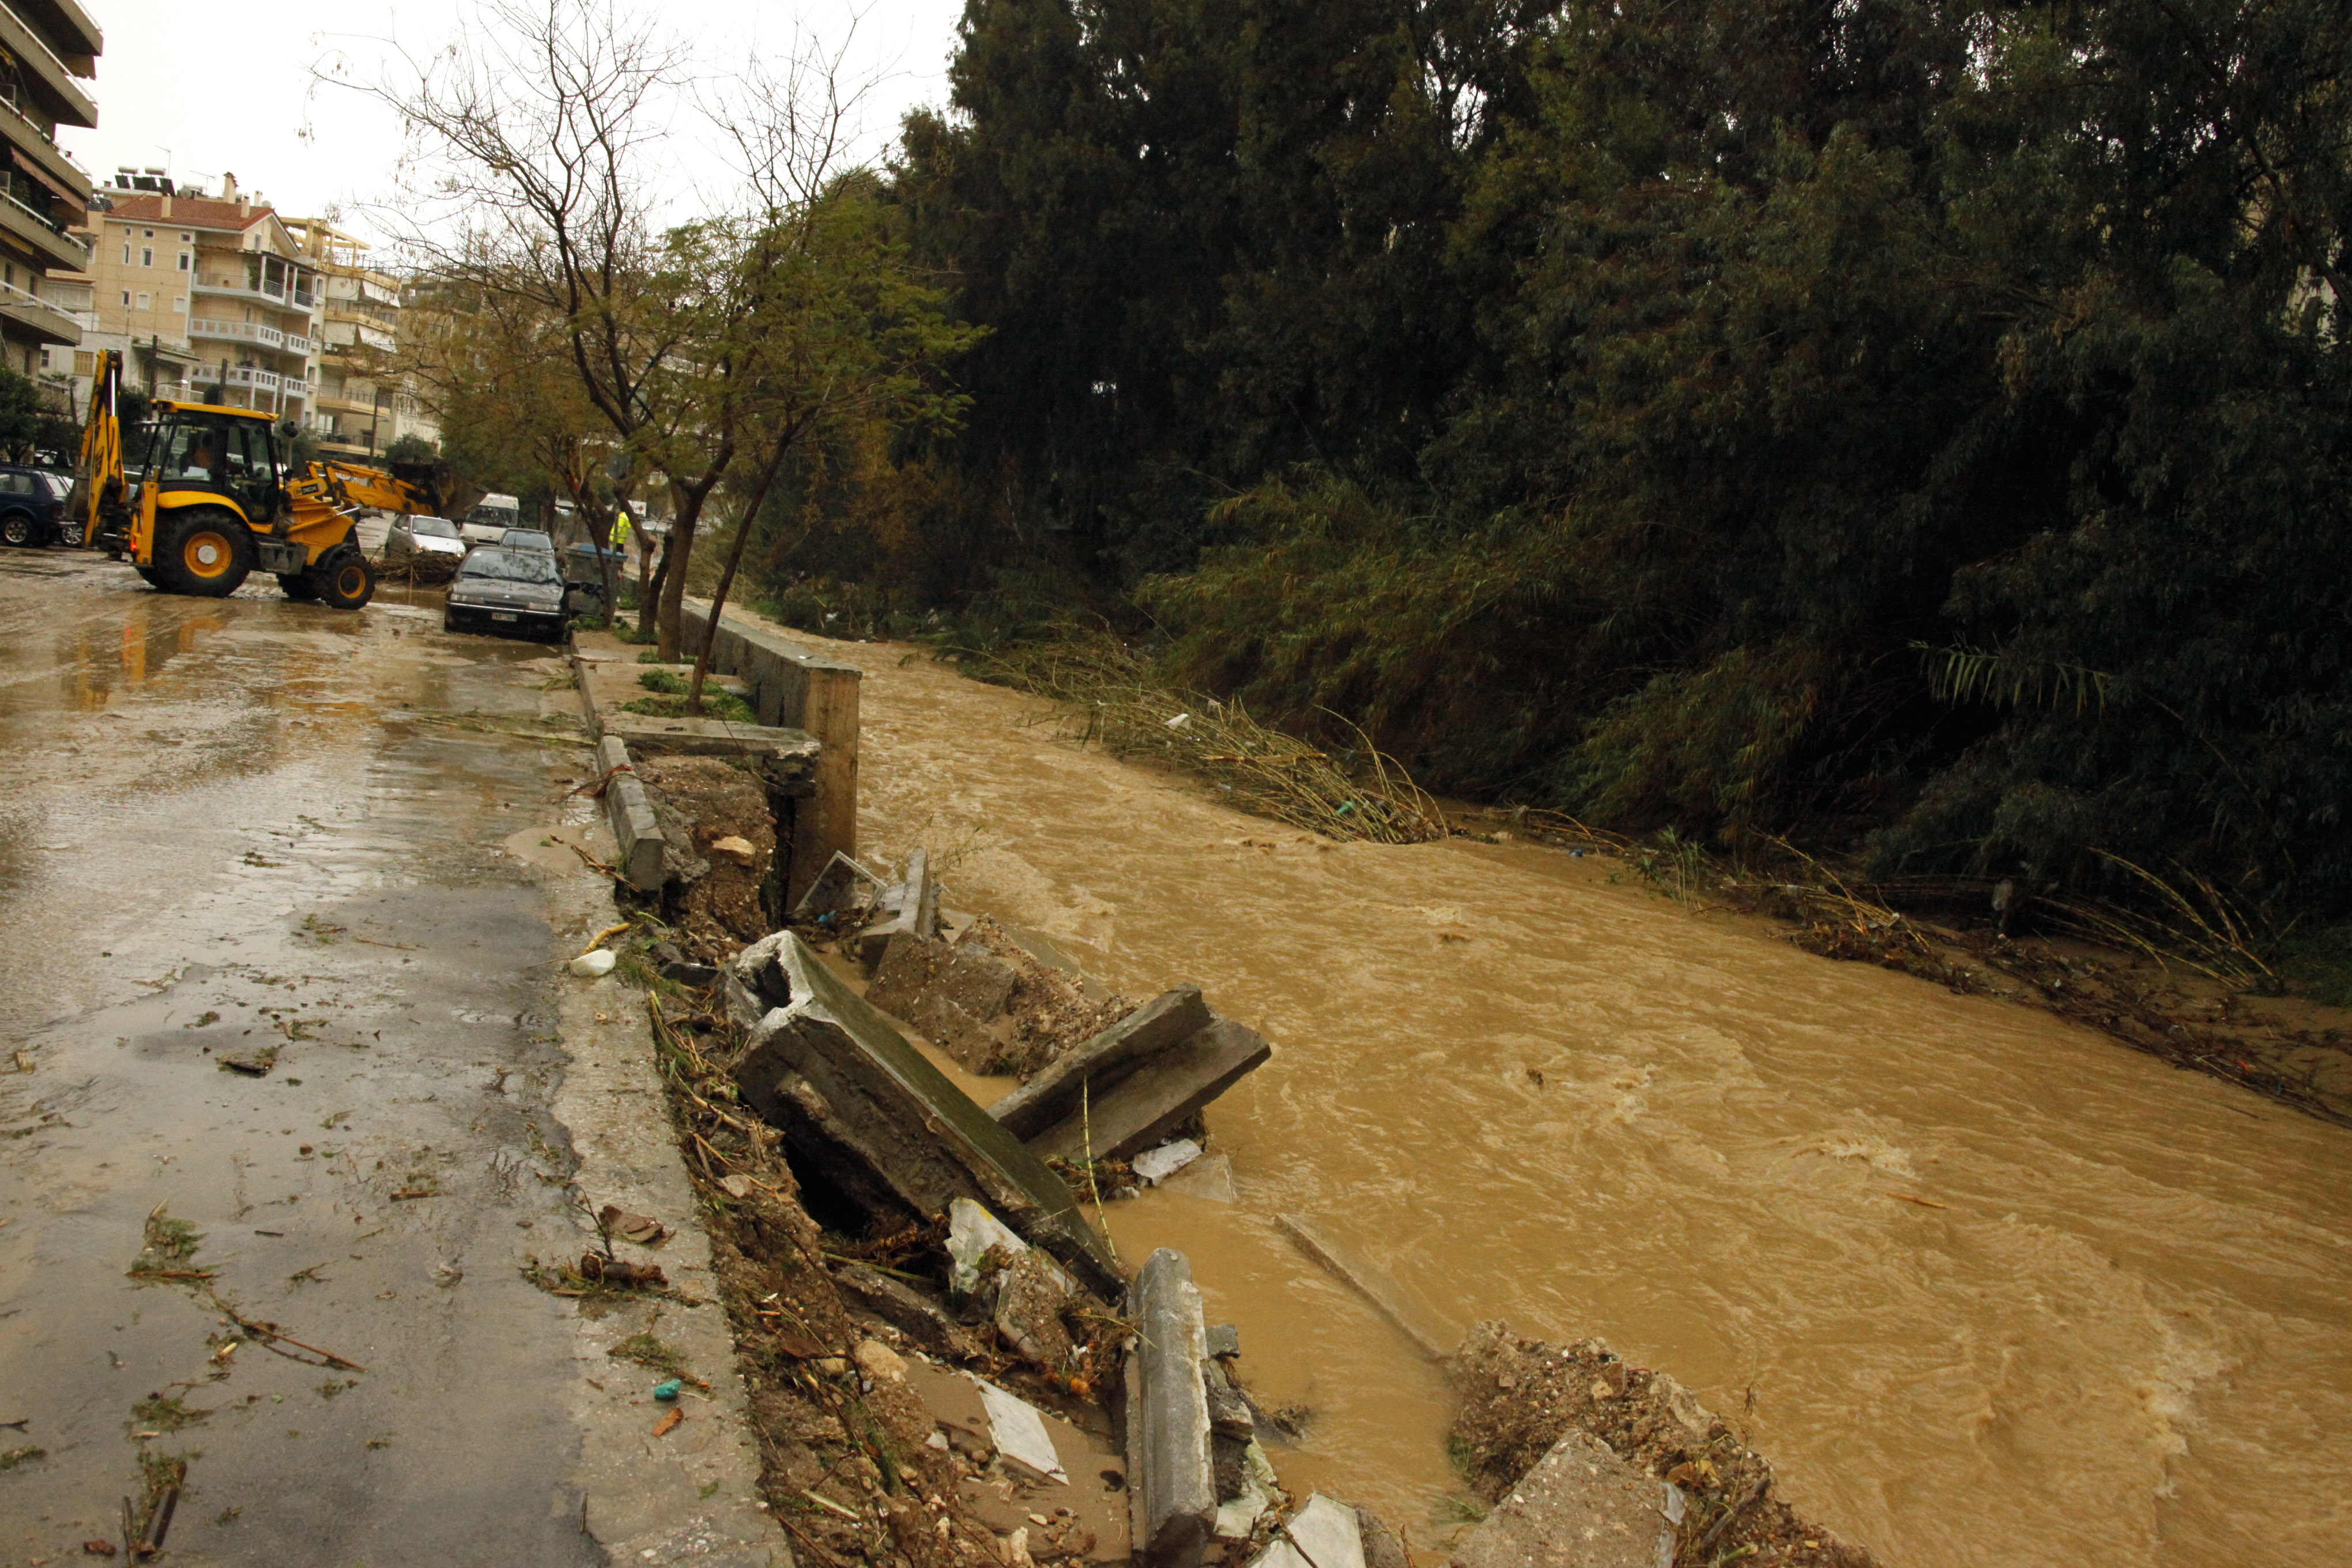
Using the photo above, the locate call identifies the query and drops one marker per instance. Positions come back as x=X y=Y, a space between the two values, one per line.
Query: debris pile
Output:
x=1570 y=1439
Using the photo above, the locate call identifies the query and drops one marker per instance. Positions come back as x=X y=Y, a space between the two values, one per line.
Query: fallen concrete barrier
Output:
x=871 y=1116
x=1149 y=1106
x=790 y=687
x=1169 y=1462
x=1097 y=1064
x=635 y=829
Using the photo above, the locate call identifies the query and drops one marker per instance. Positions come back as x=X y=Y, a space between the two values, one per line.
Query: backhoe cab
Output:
x=201 y=497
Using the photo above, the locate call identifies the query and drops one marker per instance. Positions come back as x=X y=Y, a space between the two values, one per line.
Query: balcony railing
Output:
x=269 y=337
x=294 y=345
x=275 y=295
x=248 y=375
x=11 y=294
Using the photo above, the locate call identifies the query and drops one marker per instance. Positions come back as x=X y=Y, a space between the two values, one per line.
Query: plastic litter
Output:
x=594 y=963
x=668 y=1390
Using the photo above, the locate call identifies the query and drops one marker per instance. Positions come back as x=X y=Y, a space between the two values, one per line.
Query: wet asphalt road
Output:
x=246 y=824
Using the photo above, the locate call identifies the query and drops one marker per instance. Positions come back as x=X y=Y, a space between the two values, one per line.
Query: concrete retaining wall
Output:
x=791 y=687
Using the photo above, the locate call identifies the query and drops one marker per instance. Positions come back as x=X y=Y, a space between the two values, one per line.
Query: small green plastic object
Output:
x=667 y=1390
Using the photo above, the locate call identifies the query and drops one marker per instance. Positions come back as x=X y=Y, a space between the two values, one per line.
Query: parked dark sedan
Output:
x=515 y=592
x=30 y=499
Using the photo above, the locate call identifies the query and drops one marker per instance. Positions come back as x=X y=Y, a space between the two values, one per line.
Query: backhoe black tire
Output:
x=345 y=580
x=154 y=578
x=205 y=551
x=17 y=529
x=299 y=587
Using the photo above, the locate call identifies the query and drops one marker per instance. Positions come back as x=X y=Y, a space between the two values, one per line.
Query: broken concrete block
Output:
x=1225 y=1341
x=1168 y=1421
x=864 y=1111
x=1157 y=1097
x=759 y=969
x=1097 y=1063
x=1019 y=1432
x=1323 y=1534
x=1229 y=1413
x=909 y=909
x=1156 y=1165
x=1581 y=1504
x=1237 y=1520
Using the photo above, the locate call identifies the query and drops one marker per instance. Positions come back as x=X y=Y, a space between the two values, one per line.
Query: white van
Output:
x=490 y=518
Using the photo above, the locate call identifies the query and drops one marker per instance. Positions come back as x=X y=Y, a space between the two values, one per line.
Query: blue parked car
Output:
x=30 y=499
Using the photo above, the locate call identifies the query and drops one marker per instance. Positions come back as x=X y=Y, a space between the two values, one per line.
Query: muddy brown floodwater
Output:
x=1535 y=1095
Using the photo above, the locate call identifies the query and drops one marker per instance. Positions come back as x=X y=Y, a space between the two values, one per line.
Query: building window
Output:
x=180 y=303
x=184 y=261
x=145 y=301
x=147 y=233
x=146 y=256
x=126 y=295
x=126 y=252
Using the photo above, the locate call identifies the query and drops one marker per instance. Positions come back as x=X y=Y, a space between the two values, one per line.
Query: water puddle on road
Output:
x=1530 y=1094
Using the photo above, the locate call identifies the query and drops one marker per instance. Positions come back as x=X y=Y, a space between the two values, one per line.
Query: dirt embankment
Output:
x=1521 y=1396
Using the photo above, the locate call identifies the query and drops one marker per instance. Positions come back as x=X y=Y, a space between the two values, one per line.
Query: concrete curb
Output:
x=645 y=1497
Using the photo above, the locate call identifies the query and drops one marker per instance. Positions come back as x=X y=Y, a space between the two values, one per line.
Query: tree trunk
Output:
x=673 y=587
x=734 y=558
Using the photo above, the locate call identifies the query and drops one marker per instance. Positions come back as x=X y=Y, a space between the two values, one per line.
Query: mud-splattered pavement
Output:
x=319 y=843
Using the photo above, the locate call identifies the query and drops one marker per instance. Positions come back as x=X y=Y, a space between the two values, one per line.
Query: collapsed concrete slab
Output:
x=1097 y=1064
x=1168 y=1435
x=864 y=1111
x=948 y=992
x=1581 y=1504
x=1149 y=1106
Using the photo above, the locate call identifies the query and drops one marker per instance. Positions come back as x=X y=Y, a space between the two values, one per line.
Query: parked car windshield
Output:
x=433 y=527
x=526 y=538
x=60 y=485
x=510 y=565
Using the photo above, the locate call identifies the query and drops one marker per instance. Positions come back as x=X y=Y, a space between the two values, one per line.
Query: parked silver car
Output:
x=421 y=536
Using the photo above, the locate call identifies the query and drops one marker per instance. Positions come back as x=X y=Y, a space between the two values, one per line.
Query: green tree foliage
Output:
x=1921 y=424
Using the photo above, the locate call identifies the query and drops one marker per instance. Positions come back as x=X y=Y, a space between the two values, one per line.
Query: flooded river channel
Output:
x=1536 y=1095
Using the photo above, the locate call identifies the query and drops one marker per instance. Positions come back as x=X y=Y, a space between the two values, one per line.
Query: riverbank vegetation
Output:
x=1916 y=430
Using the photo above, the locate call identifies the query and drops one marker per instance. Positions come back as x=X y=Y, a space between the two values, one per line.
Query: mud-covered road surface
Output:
x=266 y=830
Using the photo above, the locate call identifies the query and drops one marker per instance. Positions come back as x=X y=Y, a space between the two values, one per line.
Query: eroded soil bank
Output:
x=1535 y=1095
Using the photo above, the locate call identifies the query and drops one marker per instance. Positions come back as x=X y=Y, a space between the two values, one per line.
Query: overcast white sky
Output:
x=207 y=89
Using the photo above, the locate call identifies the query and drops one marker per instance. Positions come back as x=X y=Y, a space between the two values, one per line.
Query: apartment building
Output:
x=46 y=45
x=365 y=399
x=208 y=295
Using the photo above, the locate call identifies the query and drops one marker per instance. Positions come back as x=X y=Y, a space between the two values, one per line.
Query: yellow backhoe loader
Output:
x=211 y=500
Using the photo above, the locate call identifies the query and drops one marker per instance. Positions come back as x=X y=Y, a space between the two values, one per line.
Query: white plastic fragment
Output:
x=597 y=960
x=1019 y=1433
x=1156 y=1165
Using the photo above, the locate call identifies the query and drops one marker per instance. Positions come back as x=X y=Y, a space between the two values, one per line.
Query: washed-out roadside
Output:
x=954 y=1237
